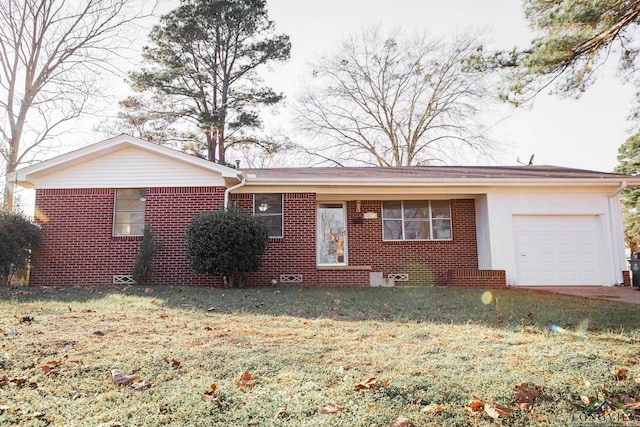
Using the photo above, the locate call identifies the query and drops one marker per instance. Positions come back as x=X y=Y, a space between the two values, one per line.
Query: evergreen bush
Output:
x=144 y=266
x=226 y=243
x=18 y=237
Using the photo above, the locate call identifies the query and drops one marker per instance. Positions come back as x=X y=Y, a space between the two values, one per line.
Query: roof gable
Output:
x=123 y=161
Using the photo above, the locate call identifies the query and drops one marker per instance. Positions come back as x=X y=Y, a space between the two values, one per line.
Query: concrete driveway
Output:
x=612 y=293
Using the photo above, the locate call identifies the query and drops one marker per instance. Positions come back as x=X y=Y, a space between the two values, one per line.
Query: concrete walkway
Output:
x=611 y=293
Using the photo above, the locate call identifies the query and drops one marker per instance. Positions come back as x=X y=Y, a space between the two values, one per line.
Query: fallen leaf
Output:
x=4 y=407
x=587 y=400
x=433 y=408
x=620 y=373
x=141 y=385
x=164 y=316
x=246 y=380
x=525 y=395
x=208 y=328
x=154 y=302
x=629 y=402
x=369 y=384
x=16 y=381
x=118 y=377
x=26 y=319
x=280 y=412
x=46 y=369
x=212 y=389
x=401 y=422
x=175 y=363
x=476 y=406
x=496 y=410
x=253 y=423
x=332 y=409
x=75 y=395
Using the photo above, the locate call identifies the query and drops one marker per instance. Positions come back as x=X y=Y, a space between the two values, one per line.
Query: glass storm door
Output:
x=331 y=235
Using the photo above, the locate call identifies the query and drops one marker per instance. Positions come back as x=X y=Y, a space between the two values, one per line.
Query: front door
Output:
x=331 y=234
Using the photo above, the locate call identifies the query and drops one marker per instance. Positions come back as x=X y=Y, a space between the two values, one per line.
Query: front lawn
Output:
x=310 y=357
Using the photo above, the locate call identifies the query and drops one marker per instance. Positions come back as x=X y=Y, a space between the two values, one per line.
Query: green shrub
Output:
x=144 y=266
x=226 y=243
x=18 y=236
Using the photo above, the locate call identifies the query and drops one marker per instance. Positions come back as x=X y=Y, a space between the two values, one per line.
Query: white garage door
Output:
x=558 y=250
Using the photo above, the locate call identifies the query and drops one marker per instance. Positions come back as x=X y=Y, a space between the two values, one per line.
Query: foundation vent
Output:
x=291 y=278
x=400 y=277
x=123 y=280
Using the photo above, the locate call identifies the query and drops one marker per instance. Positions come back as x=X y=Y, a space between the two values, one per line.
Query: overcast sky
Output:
x=583 y=133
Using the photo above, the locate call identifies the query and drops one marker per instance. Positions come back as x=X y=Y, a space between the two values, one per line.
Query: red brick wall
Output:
x=426 y=262
x=478 y=278
x=78 y=247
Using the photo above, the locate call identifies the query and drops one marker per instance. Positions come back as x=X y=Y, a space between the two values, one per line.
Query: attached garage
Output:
x=558 y=250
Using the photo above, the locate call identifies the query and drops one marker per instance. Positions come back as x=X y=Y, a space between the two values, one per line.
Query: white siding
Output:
x=502 y=207
x=129 y=167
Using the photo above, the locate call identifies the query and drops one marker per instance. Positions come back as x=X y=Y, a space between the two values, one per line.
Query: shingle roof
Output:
x=447 y=173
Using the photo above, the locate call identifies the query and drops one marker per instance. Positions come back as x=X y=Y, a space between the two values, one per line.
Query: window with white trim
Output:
x=268 y=206
x=416 y=220
x=128 y=213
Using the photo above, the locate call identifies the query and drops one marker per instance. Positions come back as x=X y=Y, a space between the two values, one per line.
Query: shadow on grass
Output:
x=507 y=308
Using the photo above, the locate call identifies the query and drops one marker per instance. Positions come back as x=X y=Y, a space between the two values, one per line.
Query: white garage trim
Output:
x=558 y=250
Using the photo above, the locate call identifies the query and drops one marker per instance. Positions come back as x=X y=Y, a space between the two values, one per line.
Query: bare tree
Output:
x=394 y=101
x=51 y=52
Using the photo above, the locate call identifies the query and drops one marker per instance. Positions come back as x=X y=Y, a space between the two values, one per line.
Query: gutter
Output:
x=228 y=191
x=623 y=185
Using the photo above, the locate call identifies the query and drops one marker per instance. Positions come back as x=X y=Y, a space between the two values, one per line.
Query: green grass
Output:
x=307 y=348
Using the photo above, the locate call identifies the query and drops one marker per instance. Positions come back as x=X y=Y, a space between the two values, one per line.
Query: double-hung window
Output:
x=416 y=220
x=269 y=208
x=128 y=215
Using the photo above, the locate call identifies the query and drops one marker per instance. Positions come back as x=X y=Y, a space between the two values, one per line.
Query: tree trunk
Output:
x=211 y=146
x=221 y=148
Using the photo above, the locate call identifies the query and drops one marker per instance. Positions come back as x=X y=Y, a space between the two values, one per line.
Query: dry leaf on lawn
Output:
x=142 y=385
x=253 y=423
x=280 y=412
x=629 y=402
x=525 y=395
x=332 y=409
x=118 y=377
x=246 y=380
x=433 y=408
x=496 y=410
x=620 y=373
x=175 y=363
x=476 y=406
x=401 y=422
x=369 y=384
x=587 y=400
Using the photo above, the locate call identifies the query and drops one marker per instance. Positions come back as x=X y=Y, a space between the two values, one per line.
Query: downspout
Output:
x=228 y=191
x=615 y=237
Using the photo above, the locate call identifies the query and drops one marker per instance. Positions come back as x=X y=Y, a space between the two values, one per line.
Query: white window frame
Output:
x=257 y=213
x=429 y=220
x=116 y=211
x=319 y=230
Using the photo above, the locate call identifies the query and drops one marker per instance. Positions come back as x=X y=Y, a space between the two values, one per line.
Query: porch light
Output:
x=263 y=207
